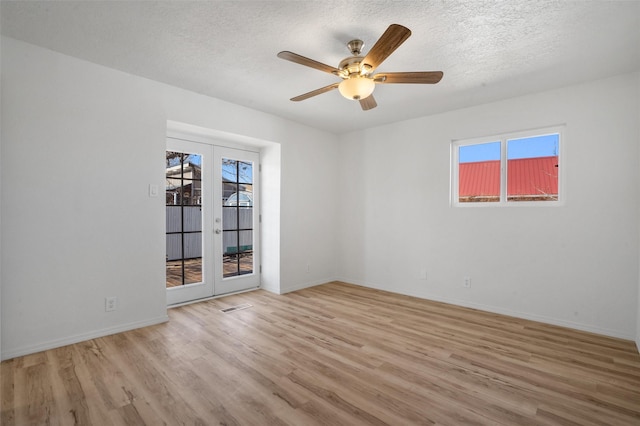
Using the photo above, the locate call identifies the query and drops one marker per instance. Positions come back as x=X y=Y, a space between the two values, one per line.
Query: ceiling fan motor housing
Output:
x=351 y=65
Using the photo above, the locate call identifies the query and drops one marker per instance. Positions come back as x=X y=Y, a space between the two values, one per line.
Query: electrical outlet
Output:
x=110 y=304
x=467 y=282
x=423 y=274
x=308 y=268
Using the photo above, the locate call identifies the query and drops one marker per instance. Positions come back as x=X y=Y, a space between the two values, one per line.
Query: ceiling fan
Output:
x=356 y=72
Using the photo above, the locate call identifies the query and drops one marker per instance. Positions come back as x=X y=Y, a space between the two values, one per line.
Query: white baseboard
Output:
x=56 y=343
x=270 y=288
x=305 y=285
x=498 y=310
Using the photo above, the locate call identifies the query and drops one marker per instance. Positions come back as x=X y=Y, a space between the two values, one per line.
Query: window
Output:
x=183 y=218
x=237 y=180
x=513 y=169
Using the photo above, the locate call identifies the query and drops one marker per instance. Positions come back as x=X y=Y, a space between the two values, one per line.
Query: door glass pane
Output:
x=532 y=168
x=479 y=173
x=183 y=218
x=246 y=264
x=237 y=217
x=229 y=218
x=245 y=217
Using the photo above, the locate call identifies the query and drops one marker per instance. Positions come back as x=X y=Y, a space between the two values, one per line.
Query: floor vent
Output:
x=235 y=308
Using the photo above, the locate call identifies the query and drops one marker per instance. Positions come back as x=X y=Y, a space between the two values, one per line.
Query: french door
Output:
x=212 y=220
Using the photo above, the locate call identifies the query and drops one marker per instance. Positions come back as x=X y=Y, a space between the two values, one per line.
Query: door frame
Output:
x=214 y=284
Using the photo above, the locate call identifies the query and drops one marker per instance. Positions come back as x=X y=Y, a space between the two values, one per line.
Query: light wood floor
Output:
x=335 y=354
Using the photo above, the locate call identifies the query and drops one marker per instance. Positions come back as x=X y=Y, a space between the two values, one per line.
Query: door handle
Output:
x=218 y=231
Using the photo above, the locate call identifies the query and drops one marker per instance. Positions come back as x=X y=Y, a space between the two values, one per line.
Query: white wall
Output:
x=638 y=312
x=309 y=214
x=0 y=206
x=575 y=265
x=80 y=145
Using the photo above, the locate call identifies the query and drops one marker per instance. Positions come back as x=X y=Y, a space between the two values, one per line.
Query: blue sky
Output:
x=229 y=171
x=537 y=146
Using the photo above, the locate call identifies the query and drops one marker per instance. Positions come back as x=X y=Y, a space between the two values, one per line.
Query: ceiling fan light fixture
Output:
x=356 y=87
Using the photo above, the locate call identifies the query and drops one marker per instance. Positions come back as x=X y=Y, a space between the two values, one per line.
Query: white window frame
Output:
x=503 y=138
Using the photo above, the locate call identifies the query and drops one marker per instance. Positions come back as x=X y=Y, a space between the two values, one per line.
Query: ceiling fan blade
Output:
x=315 y=92
x=298 y=59
x=368 y=103
x=418 y=77
x=392 y=38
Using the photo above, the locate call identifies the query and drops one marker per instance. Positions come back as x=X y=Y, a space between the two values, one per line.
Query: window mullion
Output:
x=503 y=171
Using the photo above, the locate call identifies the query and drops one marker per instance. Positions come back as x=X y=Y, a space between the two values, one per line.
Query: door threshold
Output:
x=204 y=299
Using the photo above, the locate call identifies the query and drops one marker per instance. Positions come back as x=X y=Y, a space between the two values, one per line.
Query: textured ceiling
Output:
x=488 y=50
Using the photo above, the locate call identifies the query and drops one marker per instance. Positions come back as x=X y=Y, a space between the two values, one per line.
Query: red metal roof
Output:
x=526 y=177
x=481 y=178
